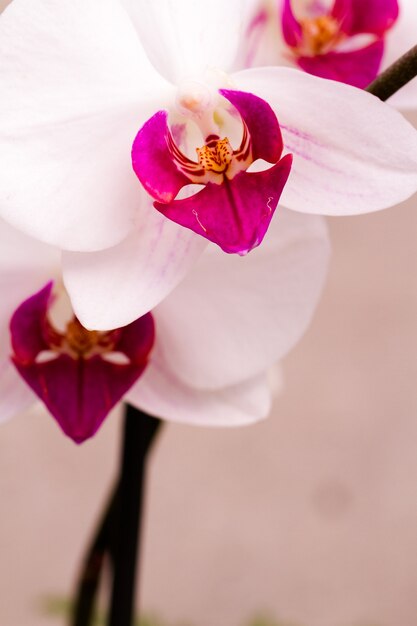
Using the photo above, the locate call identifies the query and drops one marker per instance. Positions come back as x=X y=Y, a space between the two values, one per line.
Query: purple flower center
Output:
x=235 y=207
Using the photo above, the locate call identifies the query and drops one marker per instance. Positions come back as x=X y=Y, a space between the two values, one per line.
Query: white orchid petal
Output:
x=26 y=265
x=352 y=153
x=233 y=317
x=113 y=287
x=15 y=395
x=76 y=86
x=184 y=37
x=160 y=393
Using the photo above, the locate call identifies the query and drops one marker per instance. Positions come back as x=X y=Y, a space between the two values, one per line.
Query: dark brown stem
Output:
x=395 y=76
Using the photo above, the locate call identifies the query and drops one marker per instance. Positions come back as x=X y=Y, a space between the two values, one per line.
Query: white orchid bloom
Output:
x=351 y=41
x=84 y=80
x=201 y=357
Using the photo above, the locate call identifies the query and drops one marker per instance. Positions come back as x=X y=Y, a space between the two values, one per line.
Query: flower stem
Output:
x=395 y=76
x=139 y=432
x=118 y=532
x=84 y=606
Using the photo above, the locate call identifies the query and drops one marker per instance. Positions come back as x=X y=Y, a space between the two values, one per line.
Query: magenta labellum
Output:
x=78 y=374
x=235 y=207
x=330 y=43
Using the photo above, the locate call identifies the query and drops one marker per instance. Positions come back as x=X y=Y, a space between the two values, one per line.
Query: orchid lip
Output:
x=221 y=212
x=329 y=43
x=78 y=374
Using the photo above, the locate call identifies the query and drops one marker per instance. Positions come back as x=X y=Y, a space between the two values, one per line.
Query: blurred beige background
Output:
x=310 y=517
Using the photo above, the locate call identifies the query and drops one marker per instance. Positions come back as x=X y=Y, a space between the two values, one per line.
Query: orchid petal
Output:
x=261 y=122
x=254 y=309
x=352 y=153
x=15 y=396
x=291 y=27
x=76 y=85
x=153 y=162
x=160 y=393
x=377 y=17
x=356 y=67
x=185 y=37
x=25 y=266
x=236 y=213
x=113 y=287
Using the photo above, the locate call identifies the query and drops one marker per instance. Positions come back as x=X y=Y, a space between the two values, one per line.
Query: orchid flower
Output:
x=200 y=357
x=85 y=80
x=345 y=40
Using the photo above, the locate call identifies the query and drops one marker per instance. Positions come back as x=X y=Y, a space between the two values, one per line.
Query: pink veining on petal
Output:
x=235 y=214
x=253 y=36
x=79 y=389
x=357 y=67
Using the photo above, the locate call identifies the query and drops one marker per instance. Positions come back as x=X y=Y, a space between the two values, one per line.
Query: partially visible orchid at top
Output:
x=346 y=40
x=106 y=104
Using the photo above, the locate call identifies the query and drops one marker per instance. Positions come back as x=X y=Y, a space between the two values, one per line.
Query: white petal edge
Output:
x=15 y=395
x=113 y=287
x=233 y=317
x=161 y=394
x=353 y=153
x=76 y=86
x=185 y=37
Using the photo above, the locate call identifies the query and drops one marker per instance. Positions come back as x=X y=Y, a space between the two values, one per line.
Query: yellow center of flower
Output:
x=216 y=155
x=79 y=342
x=320 y=33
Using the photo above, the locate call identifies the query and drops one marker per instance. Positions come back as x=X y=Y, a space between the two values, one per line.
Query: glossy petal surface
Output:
x=253 y=309
x=236 y=213
x=352 y=153
x=75 y=85
x=113 y=287
x=79 y=392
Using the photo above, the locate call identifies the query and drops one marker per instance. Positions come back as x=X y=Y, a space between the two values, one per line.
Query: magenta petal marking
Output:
x=235 y=214
x=373 y=16
x=342 y=11
x=153 y=162
x=291 y=27
x=262 y=124
x=357 y=68
x=27 y=326
x=79 y=392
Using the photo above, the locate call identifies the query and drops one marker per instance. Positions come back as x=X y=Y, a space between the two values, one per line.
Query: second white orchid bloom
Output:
x=85 y=80
x=200 y=357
